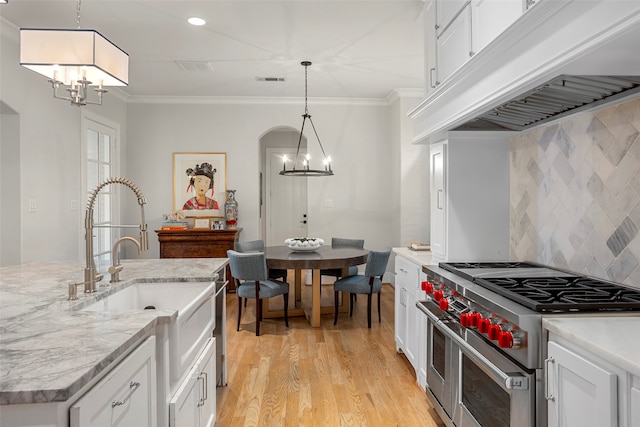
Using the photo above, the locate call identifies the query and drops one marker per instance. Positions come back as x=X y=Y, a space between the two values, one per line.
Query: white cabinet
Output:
x=194 y=403
x=634 y=401
x=406 y=312
x=430 y=50
x=421 y=370
x=454 y=44
x=125 y=397
x=579 y=391
x=470 y=197
x=492 y=17
x=437 y=158
x=463 y=28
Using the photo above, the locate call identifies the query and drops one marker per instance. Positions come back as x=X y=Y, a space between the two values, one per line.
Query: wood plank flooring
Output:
x=342 y=375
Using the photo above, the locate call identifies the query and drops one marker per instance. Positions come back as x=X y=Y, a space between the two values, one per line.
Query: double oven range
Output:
x=485 y=343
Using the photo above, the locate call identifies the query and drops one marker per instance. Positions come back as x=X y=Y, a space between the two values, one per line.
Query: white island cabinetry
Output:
x=125 y=397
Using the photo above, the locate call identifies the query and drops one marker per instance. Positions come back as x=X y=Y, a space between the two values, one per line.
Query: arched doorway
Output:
x=283 y=199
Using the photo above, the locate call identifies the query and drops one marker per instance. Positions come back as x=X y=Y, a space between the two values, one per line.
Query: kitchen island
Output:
x=52 y=351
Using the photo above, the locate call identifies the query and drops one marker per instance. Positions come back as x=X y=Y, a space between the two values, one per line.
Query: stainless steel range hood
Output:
x=563 y=95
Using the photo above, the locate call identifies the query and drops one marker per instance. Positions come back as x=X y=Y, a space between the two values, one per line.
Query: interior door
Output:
x=286 y=200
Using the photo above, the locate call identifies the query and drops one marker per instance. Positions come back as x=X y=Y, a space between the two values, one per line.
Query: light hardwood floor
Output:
x=342 y=375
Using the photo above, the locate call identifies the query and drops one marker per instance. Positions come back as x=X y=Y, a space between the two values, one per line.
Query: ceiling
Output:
x=359 y=49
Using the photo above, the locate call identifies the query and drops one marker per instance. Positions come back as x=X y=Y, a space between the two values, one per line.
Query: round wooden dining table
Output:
x=325 y=257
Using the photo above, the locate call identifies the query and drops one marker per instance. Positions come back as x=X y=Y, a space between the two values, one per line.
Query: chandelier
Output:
x=77 y=61
x=306 y=170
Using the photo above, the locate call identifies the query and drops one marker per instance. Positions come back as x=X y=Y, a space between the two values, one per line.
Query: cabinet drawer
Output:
x=407 y=271
x=125 y=397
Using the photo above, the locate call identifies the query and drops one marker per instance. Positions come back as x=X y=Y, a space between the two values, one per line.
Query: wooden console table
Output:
x=198 y=244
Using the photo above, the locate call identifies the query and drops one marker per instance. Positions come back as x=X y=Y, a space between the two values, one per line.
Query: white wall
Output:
x=49 y=157
x=356 y=136
x=359 y=136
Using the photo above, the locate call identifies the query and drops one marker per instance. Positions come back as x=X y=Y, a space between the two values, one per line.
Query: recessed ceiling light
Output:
x=196 y=21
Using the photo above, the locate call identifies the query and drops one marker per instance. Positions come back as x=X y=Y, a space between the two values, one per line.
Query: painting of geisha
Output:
x=199 y=183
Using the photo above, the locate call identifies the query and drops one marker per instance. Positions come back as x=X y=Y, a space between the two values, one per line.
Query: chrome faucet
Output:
x=91 y=275
x=116 y=267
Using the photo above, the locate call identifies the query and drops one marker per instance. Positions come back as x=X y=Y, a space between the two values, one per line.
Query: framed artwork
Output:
x=200 y=184
x=201 y=224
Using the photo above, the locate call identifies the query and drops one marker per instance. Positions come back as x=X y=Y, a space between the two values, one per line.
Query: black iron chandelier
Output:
x=306 y=170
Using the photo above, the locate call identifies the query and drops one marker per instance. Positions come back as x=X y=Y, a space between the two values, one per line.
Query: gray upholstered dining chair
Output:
x=368 y=283
x=258 y=246
x=337 y=242
x=249 y=270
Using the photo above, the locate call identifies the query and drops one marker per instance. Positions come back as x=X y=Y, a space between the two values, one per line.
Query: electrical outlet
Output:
x=33 y=205
x=328 y=203
x=74 y=205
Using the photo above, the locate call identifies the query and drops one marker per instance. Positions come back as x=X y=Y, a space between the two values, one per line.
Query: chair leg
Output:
x=239 y=312
x=245 y=301
x=379 y=295
x=336 y=300
x=369 y=310
x=286 y=309
x=351 y=305
x=258 y=315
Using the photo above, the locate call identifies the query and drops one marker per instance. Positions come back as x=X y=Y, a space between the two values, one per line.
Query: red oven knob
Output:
x=438 y=294
x=474 y=319
x=444 y=304
x=483 y=325
x=427 y=287
x=465 y=319
x=494 y=332
x=505 y=339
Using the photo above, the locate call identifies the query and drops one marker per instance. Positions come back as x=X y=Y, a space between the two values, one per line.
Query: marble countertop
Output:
x=612 y=338
x=419 y=257
x=49 y=349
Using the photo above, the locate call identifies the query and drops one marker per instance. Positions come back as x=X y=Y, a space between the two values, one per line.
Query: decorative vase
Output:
x=231 y=210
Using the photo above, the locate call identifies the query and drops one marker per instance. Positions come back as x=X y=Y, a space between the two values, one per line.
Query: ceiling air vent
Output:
x=195 y=65
x=270 y=79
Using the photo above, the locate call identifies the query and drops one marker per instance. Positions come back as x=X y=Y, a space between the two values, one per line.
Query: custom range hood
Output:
x=563 y=95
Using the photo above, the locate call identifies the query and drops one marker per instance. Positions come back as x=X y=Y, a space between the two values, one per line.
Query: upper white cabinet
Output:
x=456 y=29
x=454 y=44
x=446 y=12
x=492 y=17
x=470 y=197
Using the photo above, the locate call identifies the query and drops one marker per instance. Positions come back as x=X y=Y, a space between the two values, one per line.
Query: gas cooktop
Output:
x=545 y=289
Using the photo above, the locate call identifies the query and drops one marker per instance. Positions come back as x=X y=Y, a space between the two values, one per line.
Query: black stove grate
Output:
x=564 y=294
x=454 y=266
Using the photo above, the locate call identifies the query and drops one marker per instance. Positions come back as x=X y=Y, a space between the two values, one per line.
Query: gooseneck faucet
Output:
x=91 y=275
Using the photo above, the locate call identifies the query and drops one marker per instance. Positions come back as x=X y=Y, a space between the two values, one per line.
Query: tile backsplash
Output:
x=575 y=193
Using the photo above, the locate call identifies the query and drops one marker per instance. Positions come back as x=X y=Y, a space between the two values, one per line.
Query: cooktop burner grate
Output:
x=564 y=294
x=454 y=266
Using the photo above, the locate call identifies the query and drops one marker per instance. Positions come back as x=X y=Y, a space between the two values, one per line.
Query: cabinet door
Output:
x=492 y=17
x=579 y=391
x=437 y=178
x=400 y=315
x=634 y=402
x=446 y=11
x=430 y=49
x=125 y=397
x=421 y=370
x=454 y=45
x=194 y=403
x=412 y=328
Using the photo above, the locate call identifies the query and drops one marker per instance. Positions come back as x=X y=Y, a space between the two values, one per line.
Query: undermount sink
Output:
x=186 y=334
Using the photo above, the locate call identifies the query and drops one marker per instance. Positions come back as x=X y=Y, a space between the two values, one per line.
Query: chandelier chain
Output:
x=78 y=14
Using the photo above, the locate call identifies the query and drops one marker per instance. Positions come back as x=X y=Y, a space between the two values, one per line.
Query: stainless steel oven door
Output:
x=493 y=391
x=440 y=366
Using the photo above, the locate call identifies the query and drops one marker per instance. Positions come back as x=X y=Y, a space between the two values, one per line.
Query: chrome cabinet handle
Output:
x=133 y=386
x=203 y=376
x=431 y=83
x=438 y=205
x=547 y=377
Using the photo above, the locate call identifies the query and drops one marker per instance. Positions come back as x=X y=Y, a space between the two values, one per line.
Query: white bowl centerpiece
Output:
x=304 y=244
